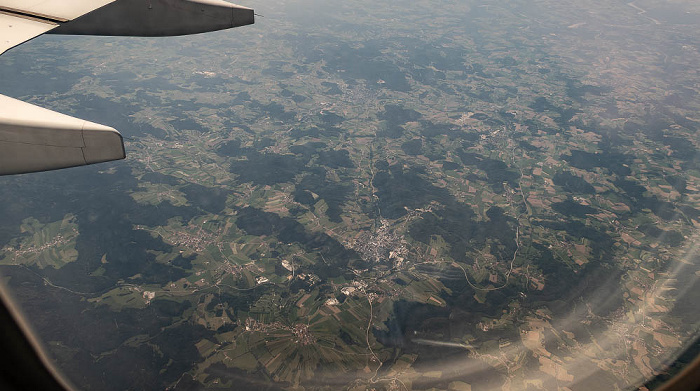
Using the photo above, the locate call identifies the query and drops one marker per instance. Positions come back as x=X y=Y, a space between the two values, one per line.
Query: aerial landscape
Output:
x=370 y=195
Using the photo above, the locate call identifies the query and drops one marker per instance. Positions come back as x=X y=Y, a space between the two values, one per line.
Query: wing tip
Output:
x=102 y=144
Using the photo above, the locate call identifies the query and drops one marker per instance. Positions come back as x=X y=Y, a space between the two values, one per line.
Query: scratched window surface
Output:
x=370 y=195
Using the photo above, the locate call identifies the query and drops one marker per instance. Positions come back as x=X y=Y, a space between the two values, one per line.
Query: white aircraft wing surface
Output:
x=22 y=20
x=15 y=30
x=35 y=139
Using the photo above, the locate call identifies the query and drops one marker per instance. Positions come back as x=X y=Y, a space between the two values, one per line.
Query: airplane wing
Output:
x=36 y=139
x=22 y=20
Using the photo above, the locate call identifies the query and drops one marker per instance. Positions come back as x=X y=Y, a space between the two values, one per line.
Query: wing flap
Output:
x=36 y=139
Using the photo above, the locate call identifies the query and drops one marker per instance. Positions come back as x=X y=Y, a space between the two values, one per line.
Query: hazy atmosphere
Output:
x=370 y=195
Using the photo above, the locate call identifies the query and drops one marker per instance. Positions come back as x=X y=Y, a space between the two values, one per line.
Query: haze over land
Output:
x=363 y=195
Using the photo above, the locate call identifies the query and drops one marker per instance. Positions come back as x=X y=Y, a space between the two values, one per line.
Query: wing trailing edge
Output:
x=35 y=139
x=157 y=18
